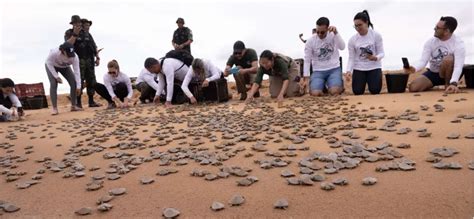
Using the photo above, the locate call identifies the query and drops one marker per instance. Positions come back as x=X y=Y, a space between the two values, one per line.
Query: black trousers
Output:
x=146 y=92
x=120 y=90
x=373 y=78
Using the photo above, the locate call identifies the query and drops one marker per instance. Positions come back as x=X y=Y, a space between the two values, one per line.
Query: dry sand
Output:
x=423 y=193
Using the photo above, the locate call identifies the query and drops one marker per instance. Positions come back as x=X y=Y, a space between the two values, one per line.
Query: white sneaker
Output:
x=54 y=111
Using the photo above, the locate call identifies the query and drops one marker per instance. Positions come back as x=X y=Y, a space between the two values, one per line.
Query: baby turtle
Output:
x=471 y=165
x=244 y=182
x=104 y=207
x=84 y=211
x=171 y=213
x=114 y=176
x=327 y=186
x=318 y=178
x=470 y=135
x=433 y=159
x=105 y=199
x=404 y=145
x=117 y=191
x=146 y=180
x=236 y=200
x=293 y=181
x=217 y=206
x=93 y=186
x=281 y=204
x=453 y=136
x=367 y=181
x=287 y=173
x=340 y=181
x=9 y=208
x=211 y=177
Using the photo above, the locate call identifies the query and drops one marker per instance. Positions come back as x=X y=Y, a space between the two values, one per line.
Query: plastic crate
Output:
x=29 y=90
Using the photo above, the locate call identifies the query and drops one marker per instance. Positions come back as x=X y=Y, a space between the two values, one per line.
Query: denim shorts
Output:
x=434 y=77
x=331 y=78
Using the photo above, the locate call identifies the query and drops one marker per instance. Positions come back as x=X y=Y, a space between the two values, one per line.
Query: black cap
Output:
x=180 y=20
x=239 y=46
x=84 y=20
x=75 y=19
x=68 y=48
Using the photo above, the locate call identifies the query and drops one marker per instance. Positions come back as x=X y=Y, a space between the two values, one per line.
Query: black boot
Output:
x=92 y=103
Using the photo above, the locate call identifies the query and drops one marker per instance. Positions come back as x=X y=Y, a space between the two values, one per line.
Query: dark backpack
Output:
x=181 y=55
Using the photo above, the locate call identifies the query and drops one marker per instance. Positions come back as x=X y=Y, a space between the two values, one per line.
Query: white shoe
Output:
x=54 y=112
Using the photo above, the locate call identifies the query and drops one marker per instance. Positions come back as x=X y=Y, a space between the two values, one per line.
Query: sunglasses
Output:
x=321 y=32
x=112 y=72
x=358 y=25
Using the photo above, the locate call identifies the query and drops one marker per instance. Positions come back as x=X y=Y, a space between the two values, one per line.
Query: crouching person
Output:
x=117 y=87
x=284 y=76
x=10 y=105
x=202 y=75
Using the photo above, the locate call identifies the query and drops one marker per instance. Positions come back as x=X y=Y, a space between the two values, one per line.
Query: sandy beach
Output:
x=307 y=135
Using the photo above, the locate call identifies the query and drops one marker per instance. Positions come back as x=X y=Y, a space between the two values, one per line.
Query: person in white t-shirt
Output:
x=445 y=52
x=365 y=56
x=60 y=60
x=146 y=80
x=322 y=53
x=168 y=70
x=205 y=72
x=117 y=87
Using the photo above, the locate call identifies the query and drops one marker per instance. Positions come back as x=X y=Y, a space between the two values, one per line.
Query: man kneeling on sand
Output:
x=10 y=105
x=445 y=52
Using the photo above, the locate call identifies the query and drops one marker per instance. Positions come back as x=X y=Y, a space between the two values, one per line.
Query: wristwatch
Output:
x=454 y=83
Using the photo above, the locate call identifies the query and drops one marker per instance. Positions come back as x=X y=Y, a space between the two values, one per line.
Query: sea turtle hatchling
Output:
x=367 y=181
x=117 y=191
x=340 y=181
x=236 y=200
x=146 y=180
x=105 y=199
x=281 y=204
x=9 y=208
x=217 y=206
x=244 y=182
x=287 y=173
x=83 y=211
x=327 y=186
x=171 y=213
x=104 y=207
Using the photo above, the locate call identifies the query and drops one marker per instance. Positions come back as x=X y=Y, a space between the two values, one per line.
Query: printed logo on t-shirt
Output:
x=325 y=52
x=365 y=52
x=438 y=54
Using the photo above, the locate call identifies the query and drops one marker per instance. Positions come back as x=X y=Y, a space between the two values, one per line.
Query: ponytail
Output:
x=364 y=16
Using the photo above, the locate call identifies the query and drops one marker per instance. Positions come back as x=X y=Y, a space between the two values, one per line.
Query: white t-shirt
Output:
x=15 y=102
x=148 y=78
x=212 y=73
x=435 y=50
x=57 y=59
x=172 y=69
x=323 y=54
x=360 y=46
x=110 y=81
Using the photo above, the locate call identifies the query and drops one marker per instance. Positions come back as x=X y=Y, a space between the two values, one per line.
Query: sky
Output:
x=132 y=30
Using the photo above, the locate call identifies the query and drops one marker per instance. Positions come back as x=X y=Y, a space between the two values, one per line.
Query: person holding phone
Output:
x=284 y=76
x=322 y=52
x=365 y=54
x=446 y=53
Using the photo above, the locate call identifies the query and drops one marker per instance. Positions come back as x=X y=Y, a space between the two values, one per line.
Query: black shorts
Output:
x=434 y=77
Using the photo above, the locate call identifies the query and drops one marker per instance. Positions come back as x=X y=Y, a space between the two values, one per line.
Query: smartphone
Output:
x=406 y=65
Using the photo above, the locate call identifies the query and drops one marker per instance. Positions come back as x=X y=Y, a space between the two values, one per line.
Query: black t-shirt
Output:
x=84 y=46
x=181 y=35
